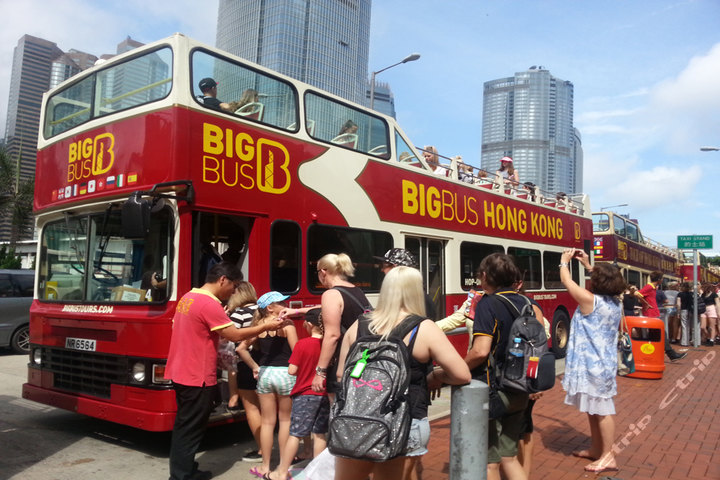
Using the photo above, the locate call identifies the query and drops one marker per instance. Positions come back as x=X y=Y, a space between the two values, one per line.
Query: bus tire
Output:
x=560 y=333
x=20 y=341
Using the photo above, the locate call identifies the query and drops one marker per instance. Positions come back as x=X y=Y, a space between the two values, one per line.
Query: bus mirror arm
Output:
x=157 y=191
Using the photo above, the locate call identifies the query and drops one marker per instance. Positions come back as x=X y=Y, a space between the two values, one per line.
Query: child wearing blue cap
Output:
x=310 y=409
x=274 y=384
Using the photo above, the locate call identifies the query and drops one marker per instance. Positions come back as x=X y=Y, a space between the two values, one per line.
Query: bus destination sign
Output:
x=691 y=242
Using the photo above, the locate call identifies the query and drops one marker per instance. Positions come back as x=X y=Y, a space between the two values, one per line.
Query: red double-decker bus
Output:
x=618 y=240
x=706 y=273
x=136 y=176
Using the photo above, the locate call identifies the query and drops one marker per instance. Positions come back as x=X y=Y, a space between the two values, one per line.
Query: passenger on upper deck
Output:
x=431 y=156
x=531 y=189
x=208 y=87
x=348 y=127
x=507 y=172
x=249 y=96
x=465 y=171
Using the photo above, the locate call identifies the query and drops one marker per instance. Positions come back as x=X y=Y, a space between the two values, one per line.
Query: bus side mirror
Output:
x=135 y=217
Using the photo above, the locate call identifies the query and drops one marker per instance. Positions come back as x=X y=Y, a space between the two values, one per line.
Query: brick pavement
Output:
x=665 y=429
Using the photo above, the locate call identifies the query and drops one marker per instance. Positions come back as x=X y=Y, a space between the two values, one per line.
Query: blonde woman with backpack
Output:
x=401 y=295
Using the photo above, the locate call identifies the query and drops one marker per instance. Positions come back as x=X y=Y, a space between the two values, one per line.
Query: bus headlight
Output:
x=138 y=372
x=37 y=356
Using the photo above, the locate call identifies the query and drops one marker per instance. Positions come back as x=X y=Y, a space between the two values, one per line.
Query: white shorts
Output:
x=275 y=380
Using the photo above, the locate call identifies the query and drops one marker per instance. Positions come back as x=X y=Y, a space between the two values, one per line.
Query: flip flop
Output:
x=267 y=476
x=256 y=472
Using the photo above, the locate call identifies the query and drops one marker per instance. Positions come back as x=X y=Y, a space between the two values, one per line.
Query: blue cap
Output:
x=271 y=297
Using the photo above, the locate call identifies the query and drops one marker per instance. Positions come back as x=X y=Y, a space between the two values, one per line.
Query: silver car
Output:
x=16 y=295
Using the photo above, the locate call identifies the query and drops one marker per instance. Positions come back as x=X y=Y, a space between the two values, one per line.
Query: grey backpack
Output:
x=371 y=416
x=537 y=364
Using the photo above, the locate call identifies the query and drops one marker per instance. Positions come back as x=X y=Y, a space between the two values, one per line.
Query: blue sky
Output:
x=646 y=76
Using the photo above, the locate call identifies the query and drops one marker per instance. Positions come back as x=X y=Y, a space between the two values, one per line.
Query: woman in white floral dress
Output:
x=591 y=361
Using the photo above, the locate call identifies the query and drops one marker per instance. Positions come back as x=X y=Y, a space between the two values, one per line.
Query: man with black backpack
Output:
x=491 y=334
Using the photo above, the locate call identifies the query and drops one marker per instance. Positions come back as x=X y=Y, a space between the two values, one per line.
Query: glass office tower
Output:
x=529 y=117
x=321 y=42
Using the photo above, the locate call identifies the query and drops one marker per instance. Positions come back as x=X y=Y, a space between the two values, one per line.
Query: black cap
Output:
x=313 y=316
x=207 y=83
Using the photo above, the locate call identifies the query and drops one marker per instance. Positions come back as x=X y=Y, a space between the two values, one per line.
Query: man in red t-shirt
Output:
x=648 y=300
x=199 y=321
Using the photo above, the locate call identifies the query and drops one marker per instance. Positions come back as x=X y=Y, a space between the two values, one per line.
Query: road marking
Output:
x=29 y=405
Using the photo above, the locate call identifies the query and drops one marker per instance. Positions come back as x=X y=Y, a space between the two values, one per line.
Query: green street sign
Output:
x=692 y=242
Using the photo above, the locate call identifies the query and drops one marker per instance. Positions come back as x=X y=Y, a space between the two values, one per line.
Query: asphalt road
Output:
x=38 y=442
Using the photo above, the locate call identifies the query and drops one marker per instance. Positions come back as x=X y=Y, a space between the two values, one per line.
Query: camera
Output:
x=158 y=277
x=577 y=254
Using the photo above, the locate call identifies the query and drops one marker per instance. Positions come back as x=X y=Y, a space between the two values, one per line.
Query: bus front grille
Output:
x=88 y=373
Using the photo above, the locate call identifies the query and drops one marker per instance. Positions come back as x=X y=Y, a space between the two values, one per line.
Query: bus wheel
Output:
x=560 y=333
x=20 y=341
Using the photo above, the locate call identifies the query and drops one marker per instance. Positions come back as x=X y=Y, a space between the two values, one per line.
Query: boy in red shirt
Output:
x=310 y=409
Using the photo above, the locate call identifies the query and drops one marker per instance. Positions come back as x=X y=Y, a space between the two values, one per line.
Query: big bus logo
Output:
x=237 y=159
x=90 y=157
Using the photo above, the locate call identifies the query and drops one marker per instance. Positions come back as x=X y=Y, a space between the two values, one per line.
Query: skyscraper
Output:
x=38 y=66
x=321 y=42
x=35 y=63
x=529 y=117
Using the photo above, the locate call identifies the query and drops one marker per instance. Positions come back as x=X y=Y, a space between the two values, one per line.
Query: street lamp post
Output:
x=614 y=206
x=410 y=58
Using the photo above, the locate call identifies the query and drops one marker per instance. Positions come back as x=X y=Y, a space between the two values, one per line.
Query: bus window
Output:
x=601 y=222
x=359 y=245
x=406 y=154
x=631 y=231
x=634 y=278
x=551 y=271
x=471 y=254
x=619 y=225
x=136 y=81
x=113 y=268
x=69 y=108
x=285 y=257
x=528 y=261
x=342 y=125
x=251 y=94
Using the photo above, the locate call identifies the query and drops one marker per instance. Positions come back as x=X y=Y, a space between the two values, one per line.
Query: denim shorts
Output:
x=275 y=380
x=310 y=414
x=418 y=438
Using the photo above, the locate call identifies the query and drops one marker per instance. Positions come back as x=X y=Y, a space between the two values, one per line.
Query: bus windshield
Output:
x=137 y=81
x=601 y=222
x=86 y=259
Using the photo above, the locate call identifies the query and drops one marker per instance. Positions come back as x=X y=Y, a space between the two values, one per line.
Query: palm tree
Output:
x=16 y=199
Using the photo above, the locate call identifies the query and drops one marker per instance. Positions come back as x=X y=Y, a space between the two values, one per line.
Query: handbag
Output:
x=625 y=360
x=701 y=305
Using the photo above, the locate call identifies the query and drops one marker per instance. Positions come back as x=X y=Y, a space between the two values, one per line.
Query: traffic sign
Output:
x=692 y=242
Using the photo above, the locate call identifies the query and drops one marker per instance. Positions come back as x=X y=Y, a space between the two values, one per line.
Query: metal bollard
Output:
x=469 y=431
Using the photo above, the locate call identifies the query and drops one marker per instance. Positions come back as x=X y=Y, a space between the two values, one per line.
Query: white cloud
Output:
x=686 y=109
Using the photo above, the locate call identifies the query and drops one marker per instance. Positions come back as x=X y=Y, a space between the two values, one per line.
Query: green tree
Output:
x=16 y=199
x=8 y=259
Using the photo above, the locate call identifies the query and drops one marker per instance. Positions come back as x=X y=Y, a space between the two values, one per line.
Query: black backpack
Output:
x=537 y=372
x=371 y=417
